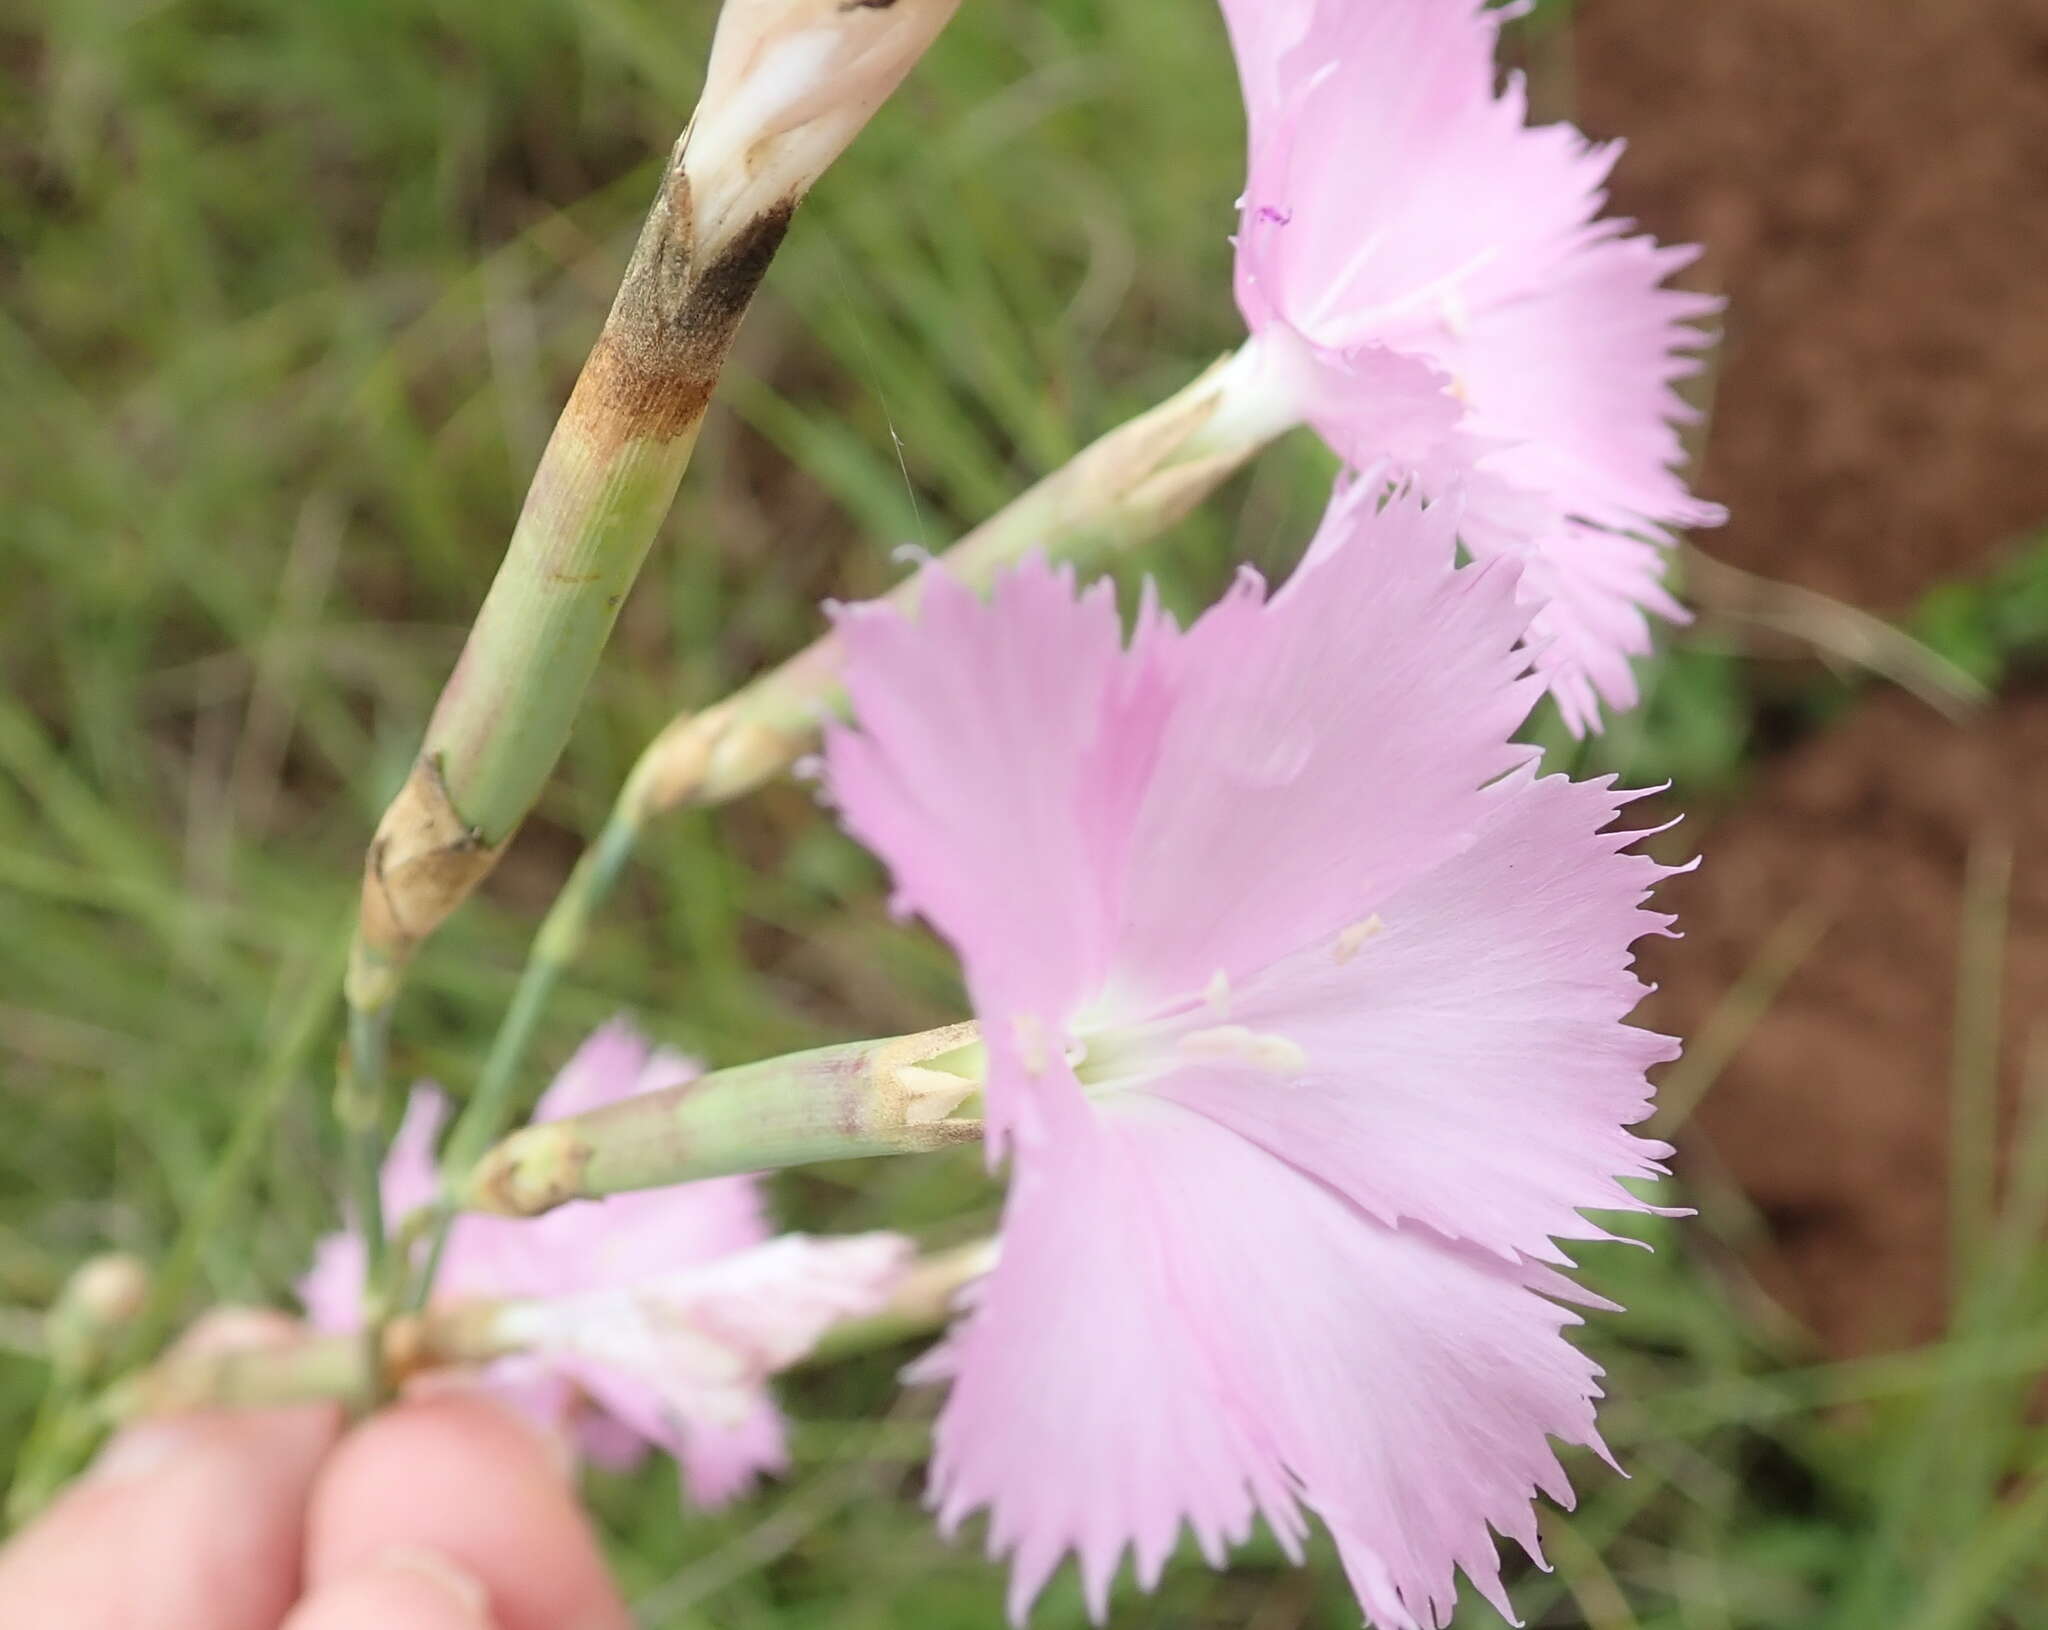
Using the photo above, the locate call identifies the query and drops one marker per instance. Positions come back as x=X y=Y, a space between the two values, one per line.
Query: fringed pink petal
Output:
x=1466 y=1064
x=1184 y=1330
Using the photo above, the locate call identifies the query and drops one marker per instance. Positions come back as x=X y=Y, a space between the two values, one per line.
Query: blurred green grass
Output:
x=291 y=295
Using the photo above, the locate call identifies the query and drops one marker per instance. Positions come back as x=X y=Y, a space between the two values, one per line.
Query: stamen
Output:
x=934 y=1094
x=1349 y=941
x=1234 y=1044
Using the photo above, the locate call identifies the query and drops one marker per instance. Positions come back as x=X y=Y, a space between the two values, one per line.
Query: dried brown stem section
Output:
x=652 y=371
x=421 y=865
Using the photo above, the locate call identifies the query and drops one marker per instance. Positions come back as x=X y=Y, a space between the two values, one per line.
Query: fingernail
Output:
x=463 y=1589
x=139 y=1451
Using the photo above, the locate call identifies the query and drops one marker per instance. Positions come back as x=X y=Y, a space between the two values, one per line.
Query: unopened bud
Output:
x=790 y=83
x=94 y=1310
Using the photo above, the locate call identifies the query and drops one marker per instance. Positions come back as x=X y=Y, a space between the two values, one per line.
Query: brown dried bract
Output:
x=529 y=1174
x=422 y=864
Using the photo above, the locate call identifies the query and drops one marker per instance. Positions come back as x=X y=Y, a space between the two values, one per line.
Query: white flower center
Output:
x=1110 y=1054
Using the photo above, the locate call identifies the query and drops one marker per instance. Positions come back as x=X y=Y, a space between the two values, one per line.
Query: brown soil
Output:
x=1833 y=1114
x=1871 y=178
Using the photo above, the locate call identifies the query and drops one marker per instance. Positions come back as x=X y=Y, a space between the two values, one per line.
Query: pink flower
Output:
x=718 y=1305
x=1303 y=997
x=700 y=1344
x=1430 y=283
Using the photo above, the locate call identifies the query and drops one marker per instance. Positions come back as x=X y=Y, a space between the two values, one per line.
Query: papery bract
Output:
x=1304 y=999
x=616 y=1245
x=1430 y=283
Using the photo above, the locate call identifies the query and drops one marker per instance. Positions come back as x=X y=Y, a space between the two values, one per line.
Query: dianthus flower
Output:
x=650 y=1318
x=1429 y=281
x=1303 y=999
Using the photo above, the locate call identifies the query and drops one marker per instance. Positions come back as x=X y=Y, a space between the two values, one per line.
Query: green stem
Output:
x=342 y=1367
x=604 y=485
x=787 y=87
x=556 y=945
x=835 y=1103
x=82 y=1333
x=310 y=1013
x=496 y=1101
x=58 y=1442
x=359 y=1107
x=316 y=1369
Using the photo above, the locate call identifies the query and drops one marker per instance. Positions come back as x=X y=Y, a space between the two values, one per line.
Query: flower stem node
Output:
x=421 y=865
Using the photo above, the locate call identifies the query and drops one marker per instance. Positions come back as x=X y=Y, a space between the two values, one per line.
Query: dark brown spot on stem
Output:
x=719 y=298
x=652 y=370
x=636 y=394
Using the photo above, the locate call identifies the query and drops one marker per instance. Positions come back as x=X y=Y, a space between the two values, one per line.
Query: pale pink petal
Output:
x=626 y=1237
x=683 y=1360
x=773 y=1302
x=1322 y=748
x=1590 y=591
x=1084 y=1410
x=411 y=1174
x=717 y=1460
x=1263 y=33
x=1183 y=1329
x=331 y=1291
x=1466 y=1063
x=604 y=1437
x=1002 y=745
x=989 y=713
x=1390 y=191
x=719 y=1463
